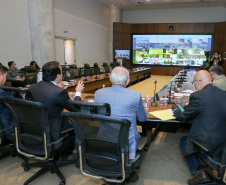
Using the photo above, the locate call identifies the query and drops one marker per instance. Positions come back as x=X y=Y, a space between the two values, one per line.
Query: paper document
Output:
x=163 y=114
x=179 y=94
x=188 y=91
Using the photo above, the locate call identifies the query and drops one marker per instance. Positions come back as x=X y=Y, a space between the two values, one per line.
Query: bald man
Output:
x=207 y=112
x=125 y=103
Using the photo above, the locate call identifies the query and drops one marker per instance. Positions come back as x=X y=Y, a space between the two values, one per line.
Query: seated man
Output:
x=14 y=76
x=206 y=111
x=125 y=103
x=5 y=114
x=218 y=77
x=54 y=97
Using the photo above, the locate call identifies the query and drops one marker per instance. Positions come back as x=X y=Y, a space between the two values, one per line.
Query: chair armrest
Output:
x=200 y=144
x=141 y=143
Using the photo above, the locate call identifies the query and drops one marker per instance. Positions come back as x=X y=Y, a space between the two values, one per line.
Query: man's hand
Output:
x=79 y=87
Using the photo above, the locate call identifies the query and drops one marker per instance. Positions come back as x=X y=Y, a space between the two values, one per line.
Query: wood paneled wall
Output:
x=122 y=37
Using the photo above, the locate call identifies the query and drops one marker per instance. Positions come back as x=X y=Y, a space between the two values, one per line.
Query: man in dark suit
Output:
x=54 y=97
x=5 y=114
x=207 y=112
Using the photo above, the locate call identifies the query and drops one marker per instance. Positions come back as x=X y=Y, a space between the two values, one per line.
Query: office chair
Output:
x=102 y=146
x=33 y=140
x=88 y=71
x=220 y=166
x=6 y=148
x=92 y=108
x=112 y=65
x=96 y=70
x=106 y=68
x=15 y=92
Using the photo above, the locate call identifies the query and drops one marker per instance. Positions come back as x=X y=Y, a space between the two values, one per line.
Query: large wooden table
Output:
x=153 y=125
x=135 y=75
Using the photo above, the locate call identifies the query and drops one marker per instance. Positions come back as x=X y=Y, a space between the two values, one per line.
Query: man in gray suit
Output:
x=125 y=103
x=218 y=77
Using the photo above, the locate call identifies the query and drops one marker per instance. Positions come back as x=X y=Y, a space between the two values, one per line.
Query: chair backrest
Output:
x=31 y=78
x=30 y=69
x=106 y=67
x=5 y=132
x=74 y=66
x=87 y=70
x=31 y=127
x=17 y=92
x=112 y=65
x=96 y=69
x=102 y=143
x=92 y=108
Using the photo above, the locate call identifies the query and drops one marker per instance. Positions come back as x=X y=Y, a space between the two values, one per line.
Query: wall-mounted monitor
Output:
x=122 y=53
x=170 y=49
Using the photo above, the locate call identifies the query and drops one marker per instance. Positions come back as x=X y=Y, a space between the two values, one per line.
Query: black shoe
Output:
x=198 y=179
x=133 y=177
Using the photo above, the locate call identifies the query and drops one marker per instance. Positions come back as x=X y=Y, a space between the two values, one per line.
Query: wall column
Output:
x=115 y=16
x=40 y=17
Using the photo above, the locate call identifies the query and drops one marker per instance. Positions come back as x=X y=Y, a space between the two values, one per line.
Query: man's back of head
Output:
x=201 y=79
x=218 y=70
x=50 y=71
x=120 y=76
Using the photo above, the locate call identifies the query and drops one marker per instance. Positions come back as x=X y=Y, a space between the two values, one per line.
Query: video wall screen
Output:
x=170 y=49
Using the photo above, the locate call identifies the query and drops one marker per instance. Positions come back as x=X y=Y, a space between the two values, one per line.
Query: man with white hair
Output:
x=125 y=103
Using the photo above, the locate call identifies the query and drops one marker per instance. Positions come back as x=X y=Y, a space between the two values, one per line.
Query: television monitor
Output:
x=122 y=54
x=171 y=49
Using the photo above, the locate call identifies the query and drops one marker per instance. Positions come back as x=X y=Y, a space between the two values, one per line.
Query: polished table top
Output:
x=93 y=82
x=163 y=92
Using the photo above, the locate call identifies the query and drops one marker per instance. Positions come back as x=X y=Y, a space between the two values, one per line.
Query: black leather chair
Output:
x=96 y=69
x=102 y=146
x=112 y=65
x=106 y=68
x=7 y=135
x=6 y=147
x=88 y=71
x=32 y=136
x=92 y=108
x=220 y=166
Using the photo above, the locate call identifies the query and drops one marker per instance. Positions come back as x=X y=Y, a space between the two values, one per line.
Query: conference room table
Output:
x=153 y=125
x=93 y=83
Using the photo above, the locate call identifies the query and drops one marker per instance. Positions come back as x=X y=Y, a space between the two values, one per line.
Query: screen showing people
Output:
x=168 y=49
x=122 y=54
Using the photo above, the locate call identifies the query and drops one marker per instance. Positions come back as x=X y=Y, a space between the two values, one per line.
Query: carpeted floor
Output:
x=162 y=164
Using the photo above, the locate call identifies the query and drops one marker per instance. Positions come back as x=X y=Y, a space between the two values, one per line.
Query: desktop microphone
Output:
x=154 y=104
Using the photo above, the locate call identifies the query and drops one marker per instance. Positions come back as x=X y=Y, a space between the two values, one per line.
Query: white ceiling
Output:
x=152 y=4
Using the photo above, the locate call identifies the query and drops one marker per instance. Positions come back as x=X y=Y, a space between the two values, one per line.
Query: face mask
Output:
x=216 y=56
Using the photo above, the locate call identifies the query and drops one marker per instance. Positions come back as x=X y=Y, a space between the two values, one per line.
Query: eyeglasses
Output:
x=195 y=81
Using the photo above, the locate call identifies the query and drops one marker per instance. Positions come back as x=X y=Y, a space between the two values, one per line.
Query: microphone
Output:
x=154 y=104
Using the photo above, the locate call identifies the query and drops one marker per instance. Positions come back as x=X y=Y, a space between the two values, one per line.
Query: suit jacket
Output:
x=220 y=83
x=55 y=99
x=207 y=110
x=6 y=118
x=125 y=103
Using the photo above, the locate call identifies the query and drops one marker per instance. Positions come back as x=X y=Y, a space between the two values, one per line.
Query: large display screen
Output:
x=165 y=49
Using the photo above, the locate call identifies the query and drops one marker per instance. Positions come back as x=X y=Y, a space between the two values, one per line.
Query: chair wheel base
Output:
x=62 y=183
